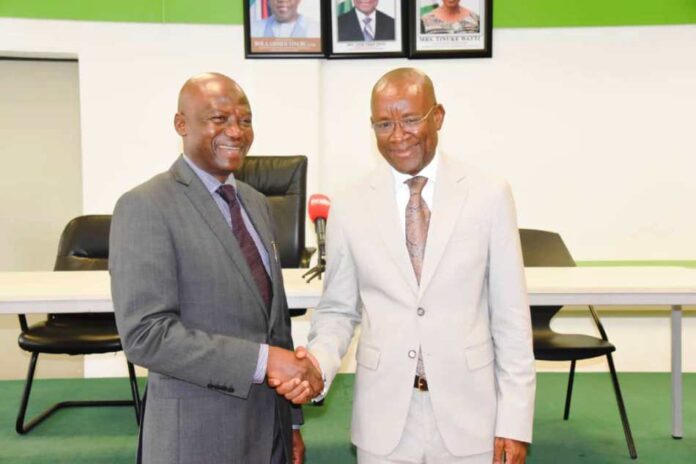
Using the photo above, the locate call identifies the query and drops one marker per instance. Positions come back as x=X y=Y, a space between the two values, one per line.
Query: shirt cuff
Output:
x=296 y=426
x=322 y=395
x=261 y=364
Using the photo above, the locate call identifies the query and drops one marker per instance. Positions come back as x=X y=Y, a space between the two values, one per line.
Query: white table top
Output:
x=612 y=285
x=89 y=291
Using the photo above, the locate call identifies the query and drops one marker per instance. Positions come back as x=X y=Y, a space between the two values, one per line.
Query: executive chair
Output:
x=283 y=180
x=84 y=246
x=546 y=249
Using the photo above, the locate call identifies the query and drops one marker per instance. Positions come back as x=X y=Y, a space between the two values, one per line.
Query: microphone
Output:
x=318 y=210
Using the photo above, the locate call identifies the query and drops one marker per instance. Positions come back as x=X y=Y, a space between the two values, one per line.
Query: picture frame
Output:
x=295 y=30
x=432 y=35
x=367 y=28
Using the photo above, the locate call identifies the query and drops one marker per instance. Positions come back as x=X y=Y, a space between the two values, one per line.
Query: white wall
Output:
x=592 y=126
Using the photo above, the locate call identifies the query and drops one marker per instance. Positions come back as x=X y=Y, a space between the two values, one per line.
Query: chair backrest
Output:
x=283 y=179
x=84 y=246
x=541 y=248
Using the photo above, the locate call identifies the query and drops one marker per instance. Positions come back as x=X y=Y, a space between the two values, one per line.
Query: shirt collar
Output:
x=430 y=171
x=210 y=181
x=362 y=16
x=299 y=21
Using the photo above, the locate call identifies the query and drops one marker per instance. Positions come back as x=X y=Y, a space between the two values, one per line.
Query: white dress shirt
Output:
x=373 y=21
x=403 y=193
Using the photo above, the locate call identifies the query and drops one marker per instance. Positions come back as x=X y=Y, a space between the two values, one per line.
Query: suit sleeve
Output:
x=338 y=311
x=510 y=325
x=144 y=286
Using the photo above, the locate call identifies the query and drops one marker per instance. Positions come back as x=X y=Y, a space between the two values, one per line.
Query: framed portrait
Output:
x=450 y=29
x=283 y=29
x=367 y=28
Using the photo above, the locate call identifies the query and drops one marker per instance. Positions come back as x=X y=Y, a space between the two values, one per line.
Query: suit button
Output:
x=412 y=354
x=420 y=311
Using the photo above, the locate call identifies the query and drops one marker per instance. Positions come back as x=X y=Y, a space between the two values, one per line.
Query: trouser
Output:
x=421 y=441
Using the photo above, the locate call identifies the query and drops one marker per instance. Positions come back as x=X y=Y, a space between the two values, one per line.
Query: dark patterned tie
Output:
x=417 y=221
x=246 y=243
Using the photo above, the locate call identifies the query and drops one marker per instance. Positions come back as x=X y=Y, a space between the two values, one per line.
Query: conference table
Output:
x=89 y=291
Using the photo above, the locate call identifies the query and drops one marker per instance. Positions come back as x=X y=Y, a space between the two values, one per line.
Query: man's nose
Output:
x=398 y=133
x=233 y=130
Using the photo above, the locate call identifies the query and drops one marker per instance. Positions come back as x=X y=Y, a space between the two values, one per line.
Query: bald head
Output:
x=406 y=118
x=405 y=81
x=206 y=84
x=214 y=121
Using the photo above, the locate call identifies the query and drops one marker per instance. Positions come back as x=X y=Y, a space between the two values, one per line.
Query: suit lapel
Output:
x=257 y=220
x=450 y=195
x=385 y=217
x=202 y=201
x=264 y=232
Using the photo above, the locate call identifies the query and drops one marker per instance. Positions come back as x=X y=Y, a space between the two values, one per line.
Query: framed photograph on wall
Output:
x=450 y=28
x=283 y=28
x=367 y=28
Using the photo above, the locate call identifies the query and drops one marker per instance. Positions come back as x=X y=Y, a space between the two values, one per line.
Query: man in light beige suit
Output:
x=425 y=254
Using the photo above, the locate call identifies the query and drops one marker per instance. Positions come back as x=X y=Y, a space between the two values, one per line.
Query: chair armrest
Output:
x=598 y=323
x=306 y=256
x=23 y=322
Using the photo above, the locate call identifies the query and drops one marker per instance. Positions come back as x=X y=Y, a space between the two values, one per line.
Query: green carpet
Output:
x=592 y=435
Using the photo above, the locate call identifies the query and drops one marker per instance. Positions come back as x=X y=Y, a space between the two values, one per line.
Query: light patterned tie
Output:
x=417 y=221
x=368 y=34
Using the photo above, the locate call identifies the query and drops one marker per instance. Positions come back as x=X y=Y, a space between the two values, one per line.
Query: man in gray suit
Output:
x=199 y=300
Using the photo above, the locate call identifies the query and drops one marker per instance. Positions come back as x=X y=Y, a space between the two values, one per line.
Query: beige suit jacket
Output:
x=474 y=327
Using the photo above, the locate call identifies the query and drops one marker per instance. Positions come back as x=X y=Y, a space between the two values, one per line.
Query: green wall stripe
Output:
x=204 y=11
x=507 y=13
x=88 y=10
x=145 y=11
x=574 y=13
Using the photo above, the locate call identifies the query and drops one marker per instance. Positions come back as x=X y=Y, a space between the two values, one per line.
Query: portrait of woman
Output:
x=450 y=18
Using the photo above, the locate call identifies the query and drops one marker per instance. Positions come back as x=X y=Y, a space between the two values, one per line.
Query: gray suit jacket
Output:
x=188 y=309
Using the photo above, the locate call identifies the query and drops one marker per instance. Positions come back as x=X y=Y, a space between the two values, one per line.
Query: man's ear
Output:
x=439 y=116
x=180 y=124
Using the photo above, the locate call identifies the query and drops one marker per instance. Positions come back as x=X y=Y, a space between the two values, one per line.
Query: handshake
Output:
x=294 y=375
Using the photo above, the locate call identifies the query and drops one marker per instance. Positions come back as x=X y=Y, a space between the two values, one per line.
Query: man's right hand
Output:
x=294 y=375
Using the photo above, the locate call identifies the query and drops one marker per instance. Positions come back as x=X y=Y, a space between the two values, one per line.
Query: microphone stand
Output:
x=319 y=269
x=316 y=271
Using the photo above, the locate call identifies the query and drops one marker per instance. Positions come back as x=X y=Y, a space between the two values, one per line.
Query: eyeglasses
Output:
x=408 y=124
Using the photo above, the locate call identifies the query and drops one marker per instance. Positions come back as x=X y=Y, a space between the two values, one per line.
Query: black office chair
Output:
x=283 y=179
x=84 y=246
x=546 y=249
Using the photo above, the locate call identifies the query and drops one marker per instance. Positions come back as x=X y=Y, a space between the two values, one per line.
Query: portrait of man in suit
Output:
x=286 y=22
x=364 y=22
x=426 y=258
x=199 y=300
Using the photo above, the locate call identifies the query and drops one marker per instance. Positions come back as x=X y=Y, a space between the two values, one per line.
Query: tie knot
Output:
x=227 y=192
x=416 y=184
x=367 y=20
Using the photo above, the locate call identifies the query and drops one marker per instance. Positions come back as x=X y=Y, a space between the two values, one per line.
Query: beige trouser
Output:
x=421 y=442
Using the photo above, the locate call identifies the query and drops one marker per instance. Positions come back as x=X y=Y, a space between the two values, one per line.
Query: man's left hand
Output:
x=298 y=448
x=509 y=451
